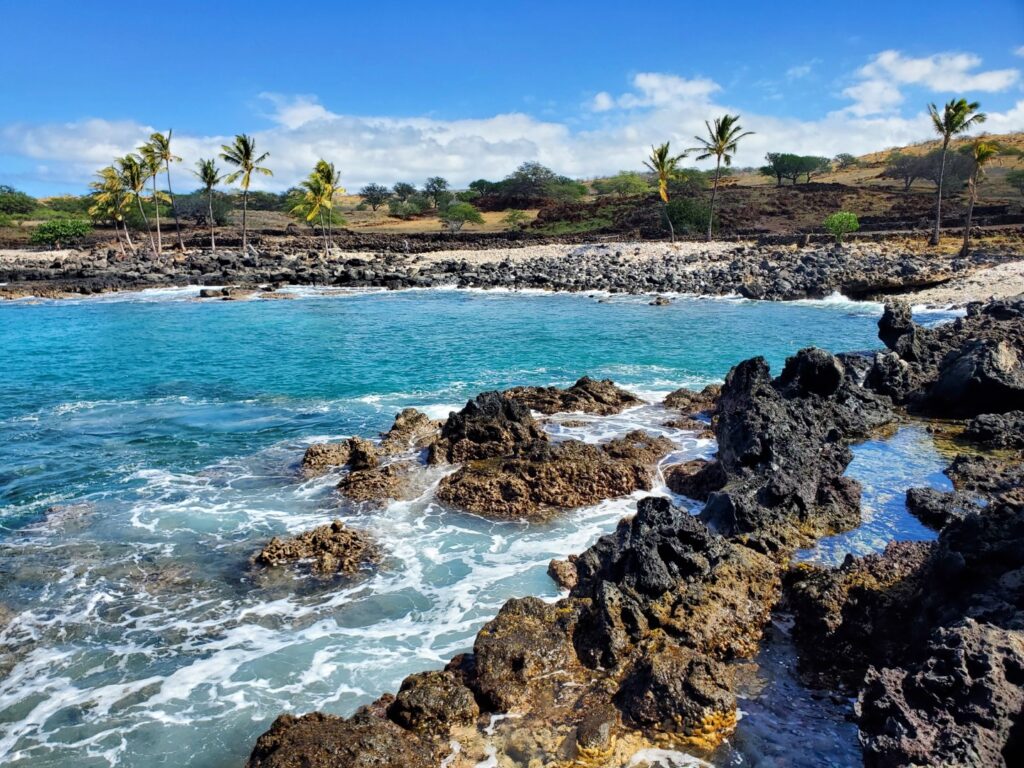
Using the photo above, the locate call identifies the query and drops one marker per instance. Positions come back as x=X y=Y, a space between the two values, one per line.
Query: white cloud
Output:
x=878 y=90
x=617 y=133
x=801 y=71
x=602 y=102
x=1019 y=52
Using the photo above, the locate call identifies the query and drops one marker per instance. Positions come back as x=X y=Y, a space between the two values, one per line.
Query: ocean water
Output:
x=149 y=445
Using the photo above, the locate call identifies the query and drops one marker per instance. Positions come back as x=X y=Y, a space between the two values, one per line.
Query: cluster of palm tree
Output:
x=124 y=183
x=721 y=143
x=958 y=116
x=317 y=199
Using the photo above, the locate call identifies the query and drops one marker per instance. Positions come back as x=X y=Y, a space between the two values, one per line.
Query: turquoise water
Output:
x=148 y=446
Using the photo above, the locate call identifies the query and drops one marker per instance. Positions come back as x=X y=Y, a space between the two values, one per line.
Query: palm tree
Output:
x=162 y=149
x=720 y=144
x=313 y=203
x=242 y=155
x=150 y=161
x=957 y=117
x=110 y=198
x=666 y=167
x=134 y=175
x=330 y=179
x=981 y=153
x=209 y=174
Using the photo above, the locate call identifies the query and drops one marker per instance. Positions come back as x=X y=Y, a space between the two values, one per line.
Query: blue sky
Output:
x=470 y=89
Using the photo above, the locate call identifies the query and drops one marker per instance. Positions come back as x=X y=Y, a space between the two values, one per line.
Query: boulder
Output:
x=936 y=509
x=490 y=425
x=333 y=548
x=587 y=395
x=691 y=402
x=432 y=702
x=997 y=430
x=696 y=479
x=378 y=484
x=544 y=479
x=981 y=376
x=321 y=457
x=412 y=430
x=563 y=572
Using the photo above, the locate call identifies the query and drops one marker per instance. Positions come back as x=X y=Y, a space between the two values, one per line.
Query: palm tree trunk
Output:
x=156 y=207
x=323 y=232
x=938 y=197
x=245 y=209
x=120 y=242
x=213 y=224
x=714 y=193
x=174 y=210
x=128 y=237
x=967 y=224
x=671 y=229
x=145 y=220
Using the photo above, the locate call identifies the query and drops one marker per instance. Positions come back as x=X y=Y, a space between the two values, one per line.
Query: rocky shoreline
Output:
x=660 y=615
x=756 y=271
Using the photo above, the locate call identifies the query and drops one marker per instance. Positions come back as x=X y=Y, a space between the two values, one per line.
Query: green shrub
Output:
x=458 y=214
x=6 y=220
x=73 y=204
x=515 y=219
x=14 y=201
x=841 y=223
x=623 y=184
x=689 y=215
x=412 y=206
x=60 y=232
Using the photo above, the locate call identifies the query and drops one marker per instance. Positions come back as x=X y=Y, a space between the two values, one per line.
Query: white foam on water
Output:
x=666 y=758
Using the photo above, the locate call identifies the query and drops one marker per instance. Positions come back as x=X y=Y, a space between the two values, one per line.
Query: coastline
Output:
x=859 y=271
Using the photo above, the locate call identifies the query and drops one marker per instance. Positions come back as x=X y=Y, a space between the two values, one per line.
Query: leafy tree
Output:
x=111 y=198
x=14 y=201
x=434 y=189
x=467 y=195
x=841 y=223
x=906 y=168
x=72 y=204
x=483 y=186
x=813 y=166
x=414 y=205
x=721 y=143
x=403 y=191
x=161 y=147
x=375 y=195
x=784 y=165
x=242 y=154
x=665 y=167
x=60 y=232
x=957 y=116
x=209 y=174
x=515 y=219
x=780 y=165
x=953 y=171
x=845 y=160
x=623 y=184
x=458 y=214
x=1016 y=180
x=134 y=175
x=980 y=153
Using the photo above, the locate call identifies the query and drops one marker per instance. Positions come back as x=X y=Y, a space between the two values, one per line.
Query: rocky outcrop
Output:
x=692 y=402
x=961 y=369
x=587 y=396
x=996 y=430
x=995 y=478
x=937 y=509
x=412 y=430
x=378 y=484
x=542 y=478
x=329 y=549
x=697 y=479
x=490 y=425
x=783 y=448
x=320 y=457
x=963 y=704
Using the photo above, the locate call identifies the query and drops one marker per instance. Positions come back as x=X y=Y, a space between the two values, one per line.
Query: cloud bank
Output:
x=612 y=131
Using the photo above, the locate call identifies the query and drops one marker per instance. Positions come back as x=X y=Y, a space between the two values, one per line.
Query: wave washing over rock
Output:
x=669 y=646
x=644 y=651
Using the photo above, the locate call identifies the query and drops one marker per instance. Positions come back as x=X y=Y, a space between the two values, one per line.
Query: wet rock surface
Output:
x=542 y=478
x=330 y=549
x=972 y=366
x=490 y=425
x=587 y=395
x=937 y=509
x=692 y=402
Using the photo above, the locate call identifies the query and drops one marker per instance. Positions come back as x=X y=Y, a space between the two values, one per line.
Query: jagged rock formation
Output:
x=330 y=549
x=586 y=395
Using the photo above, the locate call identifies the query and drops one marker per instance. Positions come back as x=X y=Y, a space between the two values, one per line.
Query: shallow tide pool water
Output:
x=149 y=445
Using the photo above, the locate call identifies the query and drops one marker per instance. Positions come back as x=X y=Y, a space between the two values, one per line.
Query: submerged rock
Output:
x=332 y=548
x=586 y=395
x=543 y=478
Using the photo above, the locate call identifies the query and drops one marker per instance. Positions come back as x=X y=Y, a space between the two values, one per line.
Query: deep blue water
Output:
x=148 y=447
